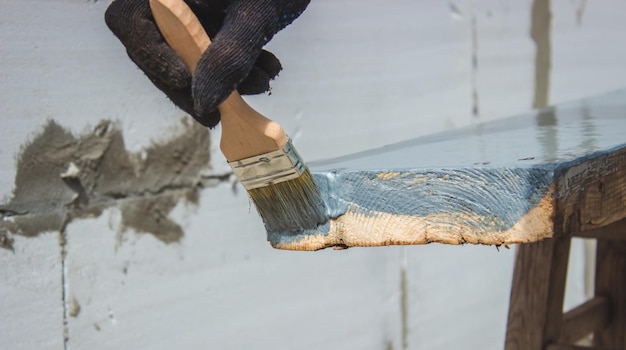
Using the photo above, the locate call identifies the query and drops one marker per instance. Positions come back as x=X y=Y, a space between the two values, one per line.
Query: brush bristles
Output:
x=290 y=206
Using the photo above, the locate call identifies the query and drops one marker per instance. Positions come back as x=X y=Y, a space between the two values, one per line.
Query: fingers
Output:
x=182 y=98
x=235 y=59
x=210 y=120
x=257 y=82
x=268 y=63
x=289 y=10
x=131 y=21
x=210 y=13
x=265 y=68
x=248 y=25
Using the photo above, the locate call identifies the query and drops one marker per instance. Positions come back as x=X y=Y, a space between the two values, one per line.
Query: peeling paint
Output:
x=62 y=177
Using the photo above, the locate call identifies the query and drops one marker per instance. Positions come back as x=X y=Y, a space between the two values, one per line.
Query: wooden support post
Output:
x=611 y=283
x=536 y=305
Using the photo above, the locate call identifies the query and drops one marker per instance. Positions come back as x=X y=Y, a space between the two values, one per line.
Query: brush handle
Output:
x=245 y=132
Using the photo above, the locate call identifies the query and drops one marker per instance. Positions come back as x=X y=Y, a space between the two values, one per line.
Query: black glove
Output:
x=235 y=59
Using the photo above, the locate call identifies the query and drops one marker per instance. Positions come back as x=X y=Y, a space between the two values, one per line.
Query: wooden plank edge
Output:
x=356 y=229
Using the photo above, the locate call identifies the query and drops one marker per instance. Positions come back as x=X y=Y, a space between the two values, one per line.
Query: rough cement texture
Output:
x=62 y=177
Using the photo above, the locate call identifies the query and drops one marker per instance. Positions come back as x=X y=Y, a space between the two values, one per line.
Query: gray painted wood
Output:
x=509 y=181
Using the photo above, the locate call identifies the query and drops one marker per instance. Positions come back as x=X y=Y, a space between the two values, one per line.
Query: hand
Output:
x=235 y=59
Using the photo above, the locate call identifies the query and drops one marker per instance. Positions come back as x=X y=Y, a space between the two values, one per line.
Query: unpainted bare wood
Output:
x=614 y=231
x=592 y=193
x=536 y=304
x=611 y=283
x=572 y=347
x=451 y=206
x=584 y=319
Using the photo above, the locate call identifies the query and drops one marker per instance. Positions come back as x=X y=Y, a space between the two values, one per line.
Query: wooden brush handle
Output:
x=245 y=132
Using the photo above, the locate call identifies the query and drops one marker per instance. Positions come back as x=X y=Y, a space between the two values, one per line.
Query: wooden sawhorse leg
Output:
x=536 y=305
x=536 y=320
x=611 y=284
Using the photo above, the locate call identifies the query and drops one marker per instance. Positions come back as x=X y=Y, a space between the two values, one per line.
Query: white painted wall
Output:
x=358 y=74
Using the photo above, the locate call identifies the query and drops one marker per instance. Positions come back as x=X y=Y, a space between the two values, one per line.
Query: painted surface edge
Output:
x=490 y=206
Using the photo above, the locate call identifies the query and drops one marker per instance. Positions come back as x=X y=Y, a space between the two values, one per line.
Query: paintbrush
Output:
x=257 y=148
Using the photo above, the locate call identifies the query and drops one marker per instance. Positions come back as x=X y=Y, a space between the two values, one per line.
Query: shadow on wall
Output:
x=541 y=22
x=62 y=177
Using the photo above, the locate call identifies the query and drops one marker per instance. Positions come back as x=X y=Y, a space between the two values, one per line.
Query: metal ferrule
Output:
x=269 y=168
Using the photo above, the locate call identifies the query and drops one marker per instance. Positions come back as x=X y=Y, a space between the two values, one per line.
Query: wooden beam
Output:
x=611 y=283
x=614 y=231
x=572 y=347
x=518 y=180
x=592 y=193
x=536 y=305
x=584 y=319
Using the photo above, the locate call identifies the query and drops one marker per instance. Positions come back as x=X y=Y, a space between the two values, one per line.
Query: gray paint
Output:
x=498 y=197
x=505 y=168
x=519 y=141
x=429 y=191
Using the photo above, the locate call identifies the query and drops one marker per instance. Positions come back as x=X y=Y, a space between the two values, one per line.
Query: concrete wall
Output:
x=136 y=248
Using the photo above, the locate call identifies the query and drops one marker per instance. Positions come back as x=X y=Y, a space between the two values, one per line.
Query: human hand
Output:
x=235 y=59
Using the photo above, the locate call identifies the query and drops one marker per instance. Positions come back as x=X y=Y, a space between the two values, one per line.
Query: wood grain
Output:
x=572 y=347
x=588 y=317
x=611 y=283
x=536 y=304
x=556 y=171
x=181 y=29
x=452 y=219
x=592 y=191
x=614 y=231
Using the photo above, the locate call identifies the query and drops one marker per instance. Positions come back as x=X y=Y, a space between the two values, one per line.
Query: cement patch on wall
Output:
x=61 y=177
